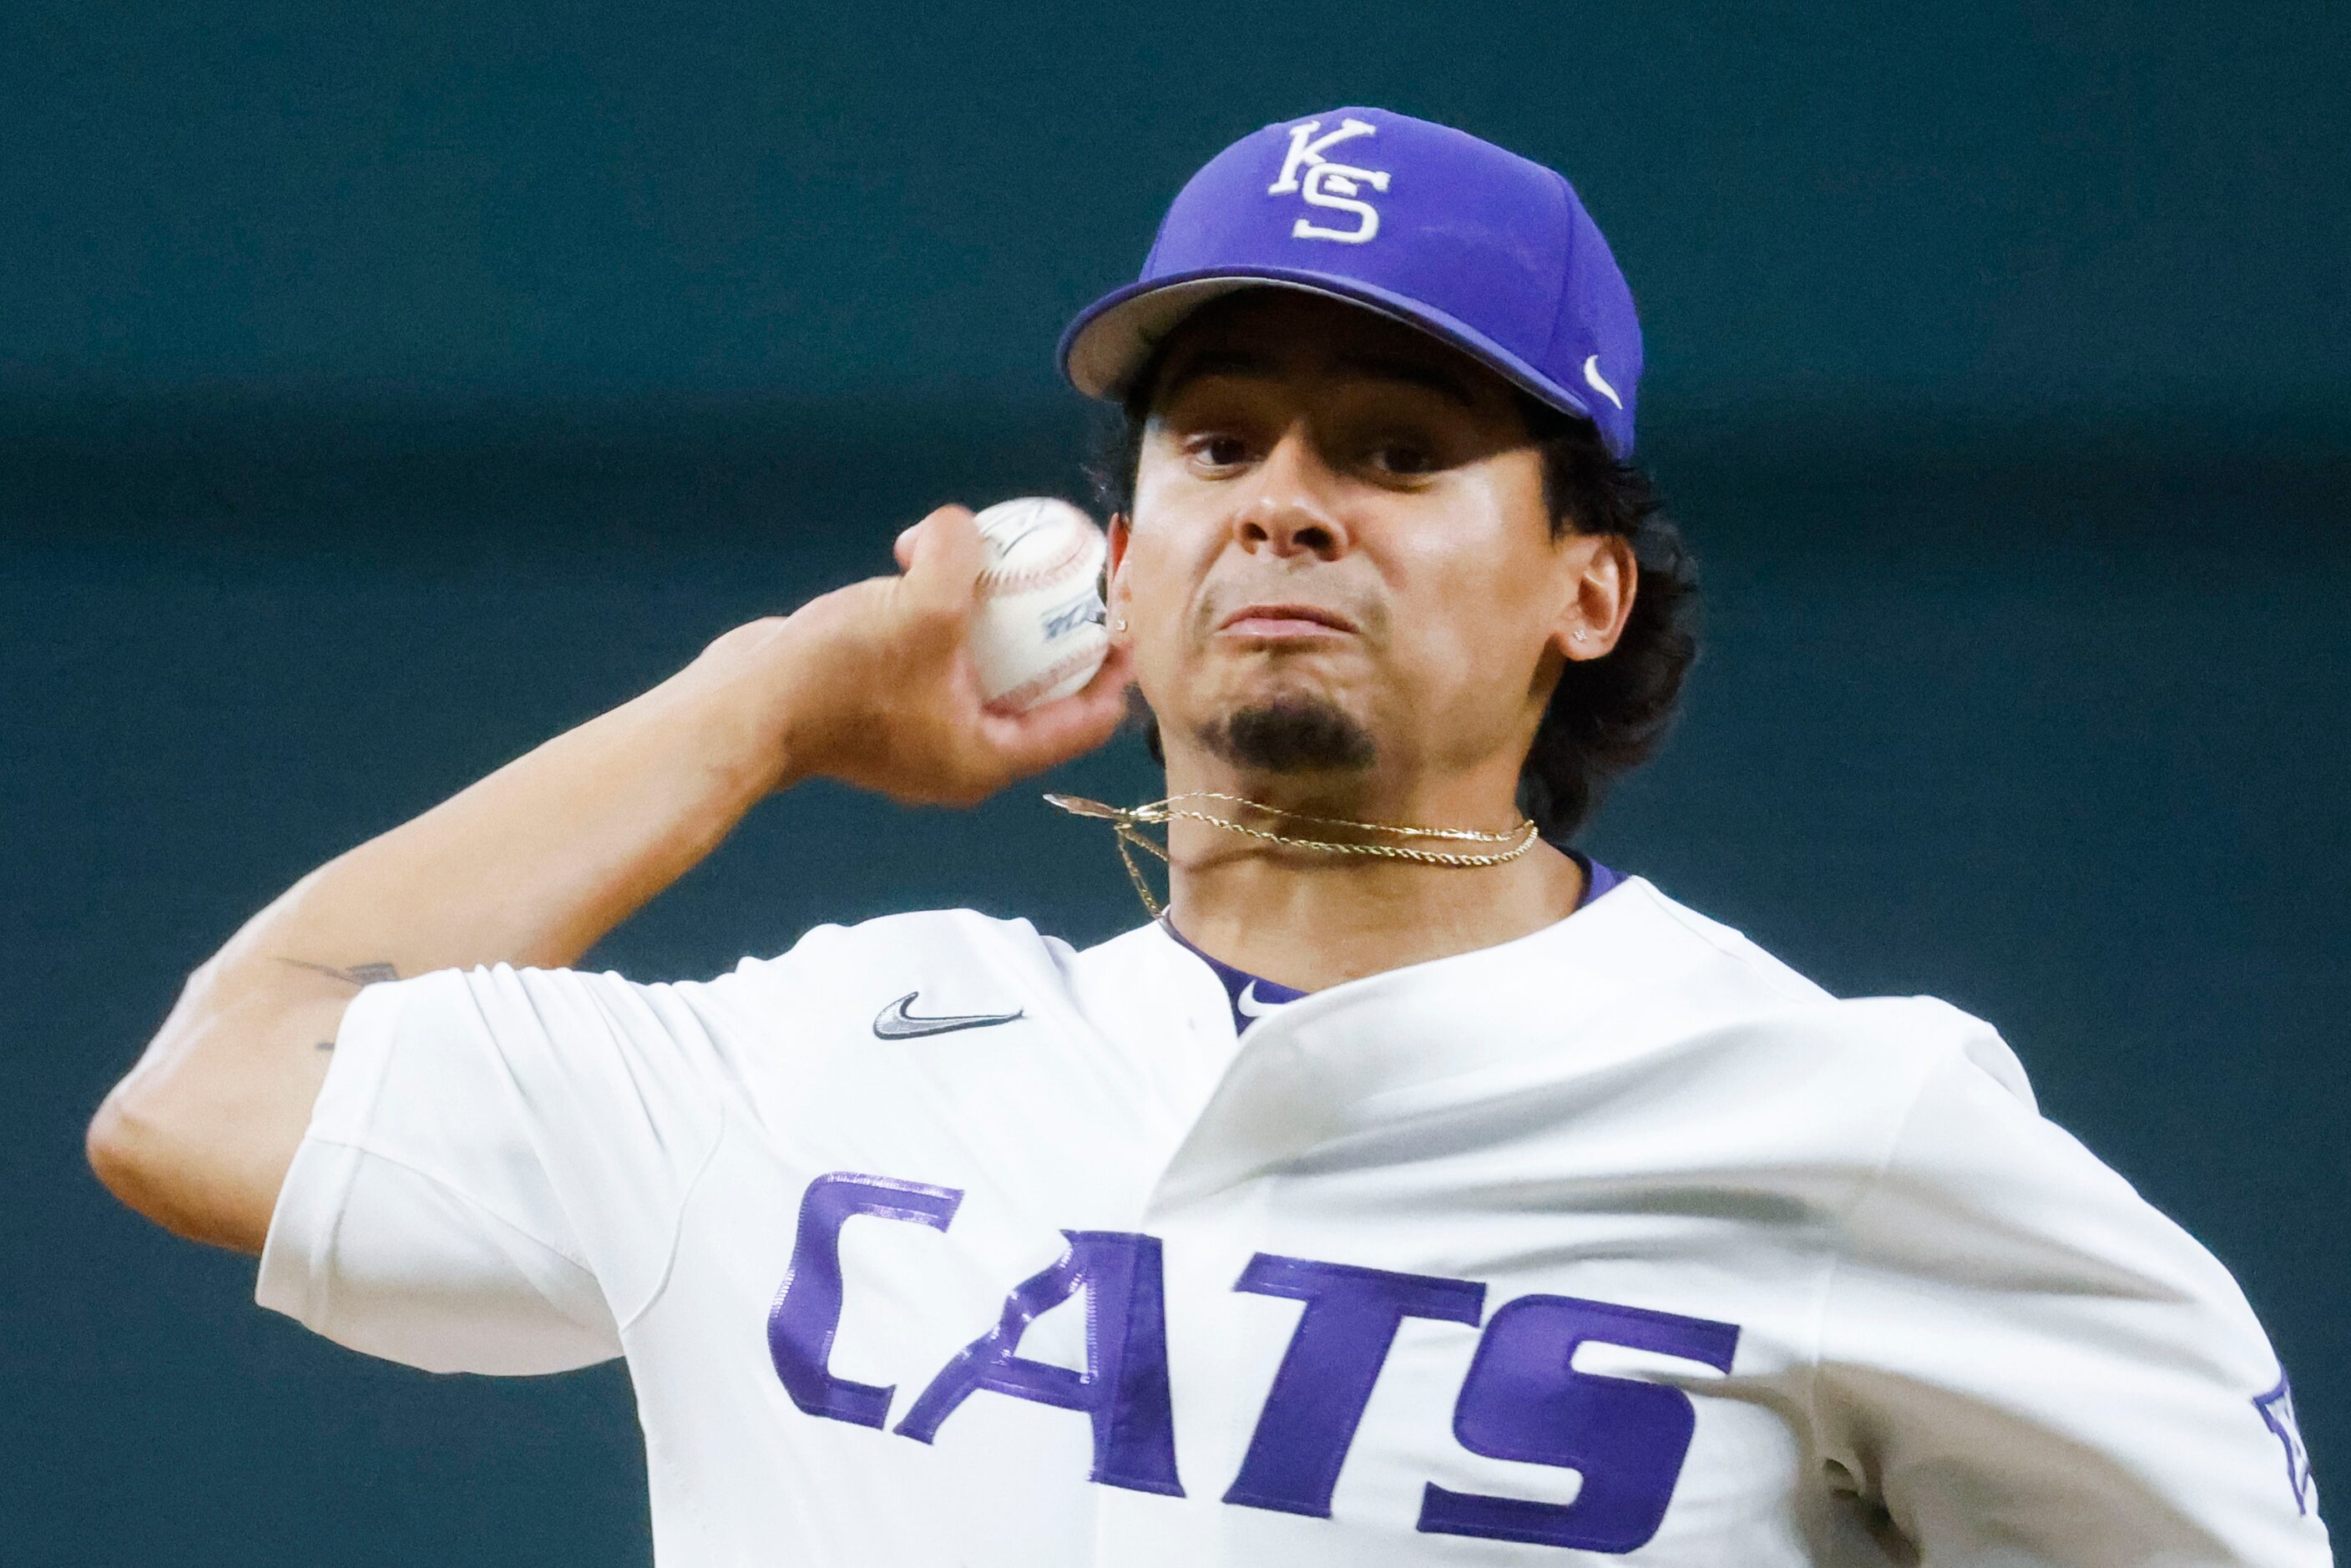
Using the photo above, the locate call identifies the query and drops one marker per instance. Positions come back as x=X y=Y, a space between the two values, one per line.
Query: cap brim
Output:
x=1113 y=338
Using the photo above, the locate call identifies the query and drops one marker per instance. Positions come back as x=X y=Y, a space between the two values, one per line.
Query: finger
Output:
x=945 y=554
x=902 y=550
x=1067 y=727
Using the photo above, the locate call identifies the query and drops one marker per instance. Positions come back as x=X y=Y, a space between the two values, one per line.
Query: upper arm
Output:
x=493 y=1177
x=2022 y=1360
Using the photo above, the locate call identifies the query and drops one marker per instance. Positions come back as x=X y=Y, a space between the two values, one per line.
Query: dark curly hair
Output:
x=1607 y=715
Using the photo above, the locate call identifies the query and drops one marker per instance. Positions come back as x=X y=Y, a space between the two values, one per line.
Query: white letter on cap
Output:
x=1333 y=186
x=1305 y=153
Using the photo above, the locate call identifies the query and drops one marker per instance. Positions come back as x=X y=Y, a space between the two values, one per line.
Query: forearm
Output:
x=528 y=866
x=535 y=862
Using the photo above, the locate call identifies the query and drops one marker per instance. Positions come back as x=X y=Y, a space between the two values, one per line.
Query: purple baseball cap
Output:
x=1473 y=245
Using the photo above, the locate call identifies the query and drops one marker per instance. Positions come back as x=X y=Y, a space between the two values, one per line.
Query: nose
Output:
x=1289 y=509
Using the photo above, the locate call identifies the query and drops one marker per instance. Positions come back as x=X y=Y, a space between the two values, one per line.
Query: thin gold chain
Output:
x=1157 y=810
x=1126 y=824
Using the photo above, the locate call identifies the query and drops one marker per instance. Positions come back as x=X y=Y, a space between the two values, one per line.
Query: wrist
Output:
x=748 y=698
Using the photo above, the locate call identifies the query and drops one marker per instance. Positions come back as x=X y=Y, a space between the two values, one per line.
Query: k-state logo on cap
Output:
x=1320 y=183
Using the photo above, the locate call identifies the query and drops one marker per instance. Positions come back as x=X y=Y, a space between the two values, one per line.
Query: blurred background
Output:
x=384 y=389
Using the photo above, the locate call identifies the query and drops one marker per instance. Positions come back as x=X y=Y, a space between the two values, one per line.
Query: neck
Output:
x=1311 y=918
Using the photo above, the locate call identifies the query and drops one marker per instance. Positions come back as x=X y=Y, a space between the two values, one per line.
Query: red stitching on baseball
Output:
x=994 y=581
x=1038 y=684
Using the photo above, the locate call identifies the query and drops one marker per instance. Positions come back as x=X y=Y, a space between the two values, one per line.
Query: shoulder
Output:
x=1927 y=1112
x=937 y=943
x=922 y=930
x=929 y=942
x=1677 y=944
x=1681 y=936
x=1889 y=1051
x=782 y=1010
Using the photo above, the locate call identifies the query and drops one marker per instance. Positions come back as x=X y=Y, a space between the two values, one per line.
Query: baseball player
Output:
x=1412 y=1190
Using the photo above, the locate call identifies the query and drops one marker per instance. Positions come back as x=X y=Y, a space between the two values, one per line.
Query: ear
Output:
x=1121 y=532
x=1601 y=578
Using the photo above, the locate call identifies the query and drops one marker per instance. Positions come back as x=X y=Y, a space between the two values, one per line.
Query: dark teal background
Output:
x=384 y=389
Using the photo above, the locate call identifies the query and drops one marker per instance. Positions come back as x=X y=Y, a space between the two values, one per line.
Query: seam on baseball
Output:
x=994 y=581
x=1043 y=681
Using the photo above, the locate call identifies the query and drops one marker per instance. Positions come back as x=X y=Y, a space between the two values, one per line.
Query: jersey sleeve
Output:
x=2022 y=1362
x=494 y=1171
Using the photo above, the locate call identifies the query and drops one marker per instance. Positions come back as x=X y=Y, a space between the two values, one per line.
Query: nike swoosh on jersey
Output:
x=895 y=1022
x=1248 y=1006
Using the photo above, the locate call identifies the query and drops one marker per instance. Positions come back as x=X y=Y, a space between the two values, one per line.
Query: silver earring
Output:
x=1122 y=624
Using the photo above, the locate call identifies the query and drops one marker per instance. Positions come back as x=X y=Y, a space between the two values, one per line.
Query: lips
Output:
x=1285 y=619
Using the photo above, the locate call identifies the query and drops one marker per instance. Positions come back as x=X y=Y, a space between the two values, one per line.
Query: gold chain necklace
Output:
x=1128 y=821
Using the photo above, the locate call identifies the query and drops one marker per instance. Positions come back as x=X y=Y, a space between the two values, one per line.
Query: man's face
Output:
x=1340 y=555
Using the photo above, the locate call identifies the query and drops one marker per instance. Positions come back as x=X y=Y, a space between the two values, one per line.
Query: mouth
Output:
x=1286 y=621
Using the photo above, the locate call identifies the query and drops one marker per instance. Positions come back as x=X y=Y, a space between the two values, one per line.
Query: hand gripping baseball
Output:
x=881 y=690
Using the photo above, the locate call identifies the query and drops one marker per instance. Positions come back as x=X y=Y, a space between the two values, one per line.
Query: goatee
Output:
x=1291 y=734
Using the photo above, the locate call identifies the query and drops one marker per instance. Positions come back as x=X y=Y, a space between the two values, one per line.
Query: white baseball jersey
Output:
x=933 y=1241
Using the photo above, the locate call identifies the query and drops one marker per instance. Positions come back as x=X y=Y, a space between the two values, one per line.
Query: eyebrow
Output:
x=1211 y=362
x=1246 y=366
x=1412 y=372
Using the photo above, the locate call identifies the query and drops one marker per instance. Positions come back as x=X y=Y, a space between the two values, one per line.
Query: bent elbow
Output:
x=122 y=1148
x=200 y=1135
x=155 y=1169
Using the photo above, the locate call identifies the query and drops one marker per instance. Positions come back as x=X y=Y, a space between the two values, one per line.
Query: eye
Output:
x=1218 y=451
x=1402 y=457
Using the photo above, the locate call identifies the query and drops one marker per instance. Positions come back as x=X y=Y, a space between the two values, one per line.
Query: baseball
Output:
x=1039 y=632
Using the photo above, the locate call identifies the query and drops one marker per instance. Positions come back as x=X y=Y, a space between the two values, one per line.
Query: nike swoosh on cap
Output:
x=1598 y=382
x=895 y=1022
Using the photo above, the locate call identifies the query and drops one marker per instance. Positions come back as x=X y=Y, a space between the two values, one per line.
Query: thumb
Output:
x=944 y=555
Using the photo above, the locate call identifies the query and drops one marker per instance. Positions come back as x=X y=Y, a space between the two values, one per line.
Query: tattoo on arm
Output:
x=358 y=974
